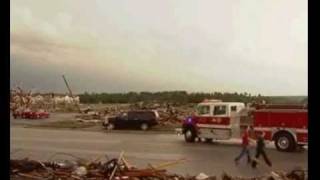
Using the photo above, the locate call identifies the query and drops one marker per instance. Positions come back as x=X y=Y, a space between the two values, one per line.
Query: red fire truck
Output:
x=286 y=125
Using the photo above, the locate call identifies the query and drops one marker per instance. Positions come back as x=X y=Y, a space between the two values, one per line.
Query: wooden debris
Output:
x=119 y=168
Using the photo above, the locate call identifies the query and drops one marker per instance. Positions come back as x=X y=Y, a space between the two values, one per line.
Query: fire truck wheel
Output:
x=285 y=142
x=189 y=135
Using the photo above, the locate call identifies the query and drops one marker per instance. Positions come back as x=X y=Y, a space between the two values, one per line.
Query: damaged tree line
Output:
x=182 y=97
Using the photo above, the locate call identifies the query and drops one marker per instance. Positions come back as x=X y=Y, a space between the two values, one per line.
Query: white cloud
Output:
x=64 y=21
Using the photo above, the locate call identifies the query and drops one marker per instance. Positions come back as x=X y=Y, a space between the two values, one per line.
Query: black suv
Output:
x=133 y=119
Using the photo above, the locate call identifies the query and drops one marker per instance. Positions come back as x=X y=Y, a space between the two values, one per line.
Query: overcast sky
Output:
x=255 y=46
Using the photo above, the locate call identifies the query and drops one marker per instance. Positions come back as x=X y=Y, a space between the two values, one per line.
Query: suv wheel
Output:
x=285 y=142
x=110 y=126
x=144 y=126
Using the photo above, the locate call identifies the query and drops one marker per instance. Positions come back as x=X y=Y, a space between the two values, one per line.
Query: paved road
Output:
x=143 y=148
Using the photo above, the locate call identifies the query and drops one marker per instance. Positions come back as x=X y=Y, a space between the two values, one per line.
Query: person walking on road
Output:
x=245 y=146
x=260 y=150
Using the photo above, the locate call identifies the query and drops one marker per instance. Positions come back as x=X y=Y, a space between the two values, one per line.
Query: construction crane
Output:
x=65 y=81
x=70 y=92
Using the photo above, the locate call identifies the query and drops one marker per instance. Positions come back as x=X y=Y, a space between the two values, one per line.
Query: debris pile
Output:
x=174 y=115
x=90 y=115
x=116 y=168
x=169 y=115
x=119 y=168
x=21 y=100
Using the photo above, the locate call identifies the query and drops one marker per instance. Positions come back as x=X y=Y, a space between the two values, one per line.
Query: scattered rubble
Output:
x=202 y=176
x=120 y=168
x=169 y=115
x=21 y=100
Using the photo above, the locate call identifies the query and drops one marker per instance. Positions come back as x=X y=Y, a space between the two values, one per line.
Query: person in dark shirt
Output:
x=245 y=146
x=260 y=150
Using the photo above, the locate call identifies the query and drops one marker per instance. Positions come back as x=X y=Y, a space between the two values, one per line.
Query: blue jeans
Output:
x=244 y=151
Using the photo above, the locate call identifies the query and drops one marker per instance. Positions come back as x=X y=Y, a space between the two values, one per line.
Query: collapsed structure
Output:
x=21 y=101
